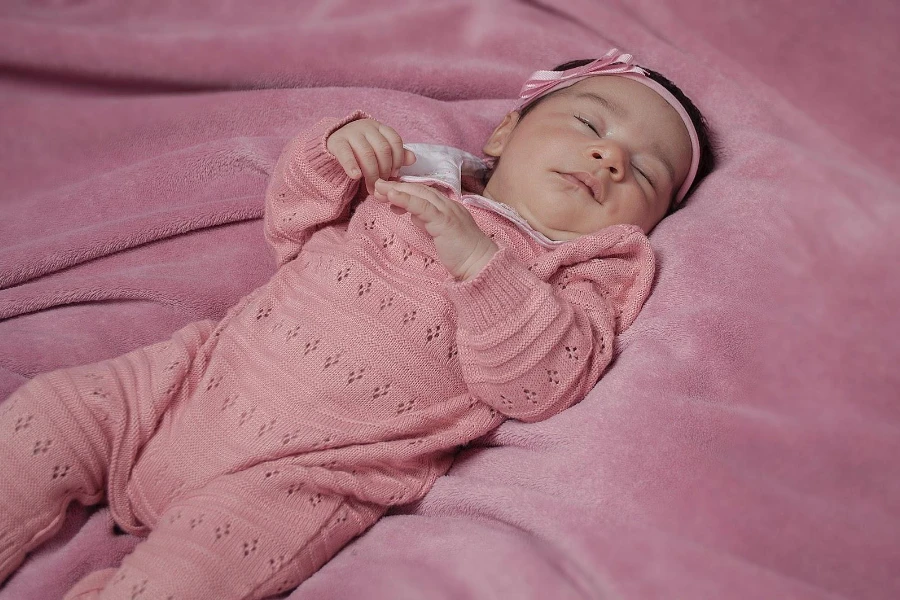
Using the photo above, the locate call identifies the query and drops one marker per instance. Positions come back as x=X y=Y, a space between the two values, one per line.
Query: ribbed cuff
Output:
x=502 y=287
x=316 y=151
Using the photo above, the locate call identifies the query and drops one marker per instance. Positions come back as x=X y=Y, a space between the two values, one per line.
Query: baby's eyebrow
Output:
x=614 y=108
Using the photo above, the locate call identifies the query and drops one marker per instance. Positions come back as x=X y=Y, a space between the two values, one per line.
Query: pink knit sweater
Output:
x=357 y=370
x=362 y=352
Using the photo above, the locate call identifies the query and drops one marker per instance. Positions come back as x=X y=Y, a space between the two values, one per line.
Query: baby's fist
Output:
x=369 y=149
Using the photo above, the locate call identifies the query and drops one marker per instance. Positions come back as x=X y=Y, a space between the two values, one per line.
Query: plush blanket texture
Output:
x=746 y=441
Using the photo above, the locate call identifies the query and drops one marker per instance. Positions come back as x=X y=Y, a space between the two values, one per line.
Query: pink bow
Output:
x=541 y=82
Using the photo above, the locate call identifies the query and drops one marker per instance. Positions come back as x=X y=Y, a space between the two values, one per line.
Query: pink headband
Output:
x=542 y=83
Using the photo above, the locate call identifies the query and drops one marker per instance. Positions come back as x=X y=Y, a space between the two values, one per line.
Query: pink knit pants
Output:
x=74 y=434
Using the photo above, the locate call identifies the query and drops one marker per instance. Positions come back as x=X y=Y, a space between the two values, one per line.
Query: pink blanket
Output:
x=746 y=442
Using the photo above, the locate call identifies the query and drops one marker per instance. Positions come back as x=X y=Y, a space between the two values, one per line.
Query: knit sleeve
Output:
x=534 y=340
x=308 y=189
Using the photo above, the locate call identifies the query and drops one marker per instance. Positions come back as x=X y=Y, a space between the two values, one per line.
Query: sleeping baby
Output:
x=422 y=297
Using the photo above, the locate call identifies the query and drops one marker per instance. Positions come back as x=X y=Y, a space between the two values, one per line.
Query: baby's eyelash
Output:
x=588 y=123
x=644 y=175
x=635 y=167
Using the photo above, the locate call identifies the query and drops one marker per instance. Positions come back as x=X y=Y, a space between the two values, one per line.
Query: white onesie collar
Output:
x=454 y=170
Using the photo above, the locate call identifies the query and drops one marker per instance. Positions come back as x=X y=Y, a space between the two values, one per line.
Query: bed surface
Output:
x=746 y=441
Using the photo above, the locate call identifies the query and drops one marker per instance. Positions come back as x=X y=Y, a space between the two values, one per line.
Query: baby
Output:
x=401 y=324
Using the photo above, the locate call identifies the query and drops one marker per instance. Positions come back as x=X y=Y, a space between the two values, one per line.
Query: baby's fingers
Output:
x=408 y=157
x=398 y=154
x=367 y=157
x=343 y=152
x=418 y=200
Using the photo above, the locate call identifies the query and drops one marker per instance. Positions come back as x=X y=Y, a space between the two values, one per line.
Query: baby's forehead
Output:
x=629 y=100
x=620 y=94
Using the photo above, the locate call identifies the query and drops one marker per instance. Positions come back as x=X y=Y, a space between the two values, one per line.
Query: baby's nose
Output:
x=610 y=156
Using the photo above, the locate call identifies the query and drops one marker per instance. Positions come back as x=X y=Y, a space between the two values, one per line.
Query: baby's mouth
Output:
x=586 y=182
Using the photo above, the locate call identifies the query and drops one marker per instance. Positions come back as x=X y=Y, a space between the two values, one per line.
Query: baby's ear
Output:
x=497 y=140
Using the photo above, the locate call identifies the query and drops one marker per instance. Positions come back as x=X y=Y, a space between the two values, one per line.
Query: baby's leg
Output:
x=244 y=536
x=62 y=432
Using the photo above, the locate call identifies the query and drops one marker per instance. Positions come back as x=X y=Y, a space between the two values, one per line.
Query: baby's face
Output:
x=604 y=151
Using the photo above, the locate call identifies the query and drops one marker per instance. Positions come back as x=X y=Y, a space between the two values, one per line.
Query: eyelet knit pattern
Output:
x=251 y=451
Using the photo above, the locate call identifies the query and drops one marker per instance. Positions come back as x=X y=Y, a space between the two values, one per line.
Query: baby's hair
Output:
x=704 y=133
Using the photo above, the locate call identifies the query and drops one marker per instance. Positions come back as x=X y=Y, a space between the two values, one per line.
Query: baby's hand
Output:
x=461 y=245
x=367 y=148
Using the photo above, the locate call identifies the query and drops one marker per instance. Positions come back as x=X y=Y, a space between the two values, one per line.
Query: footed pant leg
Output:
x=246 y=535
x=64 y=433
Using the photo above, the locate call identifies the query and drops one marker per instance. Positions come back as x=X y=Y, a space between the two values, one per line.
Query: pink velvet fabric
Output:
x=744 y=443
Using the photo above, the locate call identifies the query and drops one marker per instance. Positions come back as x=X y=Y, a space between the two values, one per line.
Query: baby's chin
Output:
x=568 y=236
x=560 y=236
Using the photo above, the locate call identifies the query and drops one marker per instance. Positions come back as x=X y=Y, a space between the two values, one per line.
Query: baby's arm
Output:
x=309 y=188
x=530 y=348
x=318 y=174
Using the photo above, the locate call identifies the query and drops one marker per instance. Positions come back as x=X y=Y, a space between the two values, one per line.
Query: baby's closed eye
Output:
x=588 y=124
